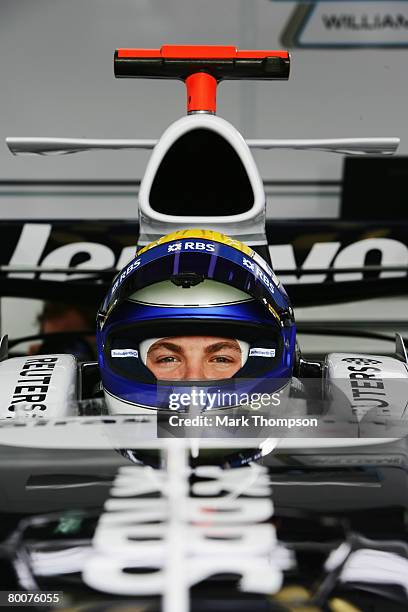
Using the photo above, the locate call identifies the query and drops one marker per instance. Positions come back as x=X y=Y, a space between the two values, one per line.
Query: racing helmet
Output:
x=194 y=283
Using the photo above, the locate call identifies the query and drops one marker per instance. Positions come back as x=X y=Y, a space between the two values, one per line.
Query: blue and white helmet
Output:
x=194 y=282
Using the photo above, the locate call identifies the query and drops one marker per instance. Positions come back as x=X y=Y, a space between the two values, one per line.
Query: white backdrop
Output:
x=56 y=78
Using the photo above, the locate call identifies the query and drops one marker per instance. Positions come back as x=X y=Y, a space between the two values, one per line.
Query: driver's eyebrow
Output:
x=218 y=346
x=175 y=348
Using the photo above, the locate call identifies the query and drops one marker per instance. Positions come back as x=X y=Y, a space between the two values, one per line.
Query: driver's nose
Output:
x=194 y=370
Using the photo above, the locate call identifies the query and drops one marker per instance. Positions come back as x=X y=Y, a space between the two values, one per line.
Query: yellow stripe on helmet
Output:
x=203 y=234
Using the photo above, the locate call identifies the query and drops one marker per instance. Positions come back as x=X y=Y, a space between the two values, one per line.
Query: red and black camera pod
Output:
x=201 y=67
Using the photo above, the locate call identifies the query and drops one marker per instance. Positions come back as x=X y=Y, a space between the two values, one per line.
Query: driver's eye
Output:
x=167 y=359
x=222 y=359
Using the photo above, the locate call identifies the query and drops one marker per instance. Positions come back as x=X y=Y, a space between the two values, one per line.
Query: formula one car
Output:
x=106 y=467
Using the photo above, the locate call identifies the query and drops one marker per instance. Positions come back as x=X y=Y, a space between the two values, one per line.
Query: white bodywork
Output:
x=247 y=227
x=64 y=146
x=38 y=386
x=376 y=387
x=134 y=427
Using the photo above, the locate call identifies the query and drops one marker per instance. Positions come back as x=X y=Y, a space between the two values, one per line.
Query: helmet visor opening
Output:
x=122 y=349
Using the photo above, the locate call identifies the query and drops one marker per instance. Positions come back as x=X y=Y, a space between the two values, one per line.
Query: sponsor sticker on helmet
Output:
x=258 y=273
x=124 y=353
x=191 y=246
x=262 y=352
x=263 y=264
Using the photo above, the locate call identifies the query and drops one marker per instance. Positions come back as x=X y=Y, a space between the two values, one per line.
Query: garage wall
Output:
x=56 y=78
